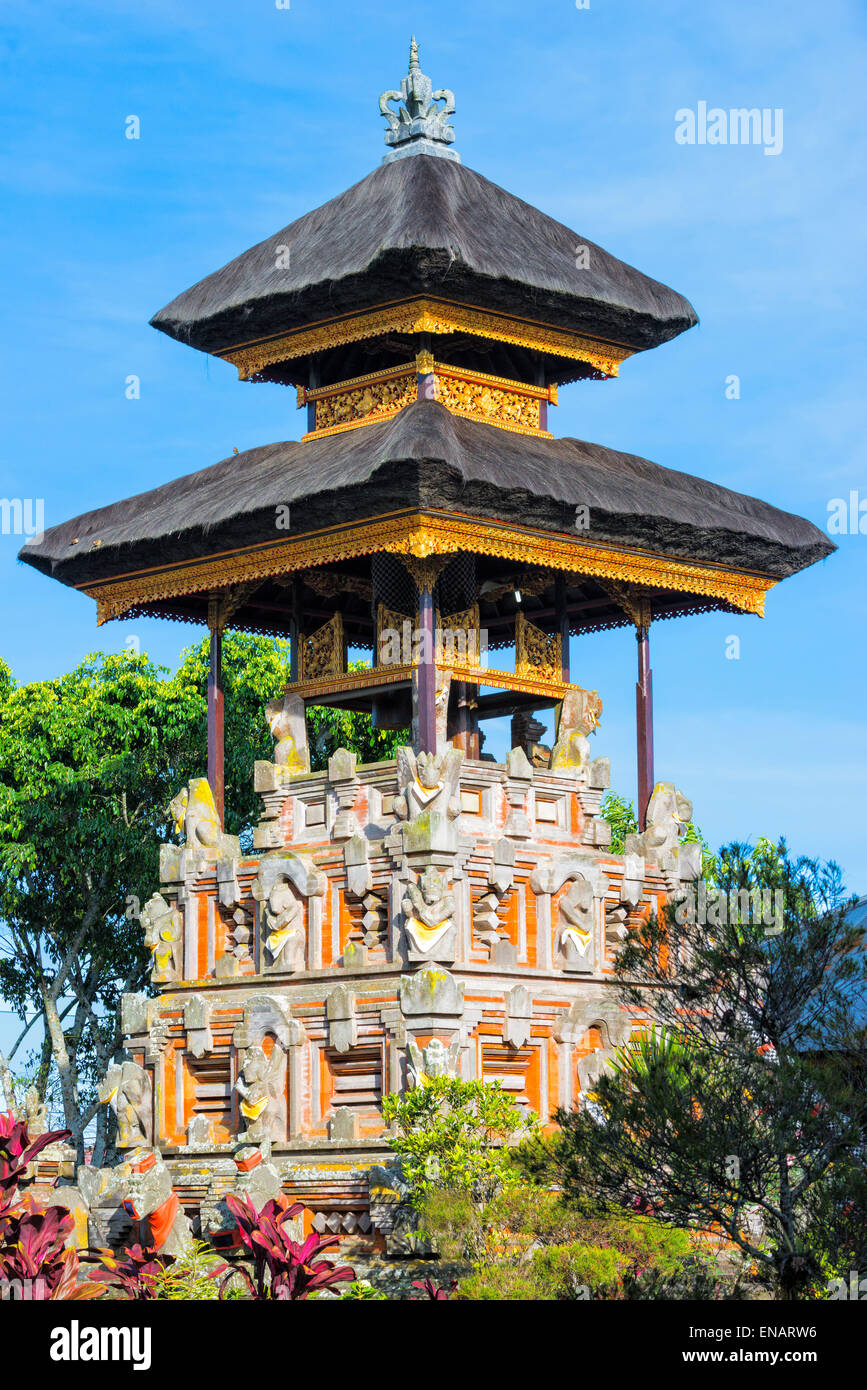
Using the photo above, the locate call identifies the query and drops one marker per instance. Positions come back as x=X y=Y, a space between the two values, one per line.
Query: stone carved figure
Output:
x=428 y=908
x=575 y=912
x=261 y=1087
x=127 y=1089
x=35 y=1113
x=668 y=814
x=428 y=783
x=579 y=717
x=282 y=918
x=150 y=1198
x=283 y=926
x=288 y=726
x=424 y=1063
x=163 y=934
x=195 y=815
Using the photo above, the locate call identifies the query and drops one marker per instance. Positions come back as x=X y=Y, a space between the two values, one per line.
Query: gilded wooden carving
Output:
x=427 y=316
x=458 y=638
x=537 y=653
x=323 y=653
x=420 y=534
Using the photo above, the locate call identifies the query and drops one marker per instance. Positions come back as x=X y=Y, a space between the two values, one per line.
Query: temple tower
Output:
x=443 y=911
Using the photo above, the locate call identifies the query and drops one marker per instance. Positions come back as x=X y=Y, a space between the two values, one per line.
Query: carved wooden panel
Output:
x=323 y=653
x=537 y=653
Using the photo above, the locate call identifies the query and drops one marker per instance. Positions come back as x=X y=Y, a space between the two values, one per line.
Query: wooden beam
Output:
x=644 y=722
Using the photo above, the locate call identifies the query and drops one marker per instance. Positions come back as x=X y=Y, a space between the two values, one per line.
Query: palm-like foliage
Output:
x=282 y=1268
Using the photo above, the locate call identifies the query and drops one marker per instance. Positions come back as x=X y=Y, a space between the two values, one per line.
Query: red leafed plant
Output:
x=34 y=1260
x=282 y=1268
x=33 y=1257
x=134 y=1271
x=16 y=1152
x=432 y=1290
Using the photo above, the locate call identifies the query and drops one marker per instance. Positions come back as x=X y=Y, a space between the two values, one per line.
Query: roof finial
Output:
x=420 y=125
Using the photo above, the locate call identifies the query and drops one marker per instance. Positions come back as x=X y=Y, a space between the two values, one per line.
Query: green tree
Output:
x=88 y=764
x=455 y=1134
x=745 y=1110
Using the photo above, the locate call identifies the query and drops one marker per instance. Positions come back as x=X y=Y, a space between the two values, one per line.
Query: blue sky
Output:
x=253 y=114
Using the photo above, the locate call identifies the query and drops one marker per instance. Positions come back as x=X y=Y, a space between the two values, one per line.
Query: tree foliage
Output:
x=744 y=1110
x=88 y=764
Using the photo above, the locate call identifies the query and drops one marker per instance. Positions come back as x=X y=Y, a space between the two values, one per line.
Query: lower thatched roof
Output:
x=427 y=458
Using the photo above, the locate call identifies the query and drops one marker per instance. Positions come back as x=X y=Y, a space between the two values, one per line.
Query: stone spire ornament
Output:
x=420 y=126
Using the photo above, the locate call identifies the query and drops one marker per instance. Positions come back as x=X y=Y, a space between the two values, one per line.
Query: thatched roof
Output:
x=427 y=458
x=425 y=226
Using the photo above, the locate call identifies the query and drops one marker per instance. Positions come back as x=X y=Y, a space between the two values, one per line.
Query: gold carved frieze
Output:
x=419 y=535
x=365 y=400
x=392 y=630
x=492 y=404
x=435 y=316
x=364 y=404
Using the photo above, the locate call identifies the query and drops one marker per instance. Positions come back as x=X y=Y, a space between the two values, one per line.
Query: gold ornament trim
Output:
x=377 y=396
x=426 y=316
x=377 y=676
x=418 y=535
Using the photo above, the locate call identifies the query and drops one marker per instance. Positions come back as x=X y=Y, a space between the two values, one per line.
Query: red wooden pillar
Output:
x=427 y=672
x=216 y=733
x=644 y=722
x=563 y=623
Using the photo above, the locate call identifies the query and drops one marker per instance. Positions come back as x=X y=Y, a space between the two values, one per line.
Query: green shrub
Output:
x=192 y=1276
x=578 y=1270
x=360 y=1289
x=502 y=1284
x=455 y=1134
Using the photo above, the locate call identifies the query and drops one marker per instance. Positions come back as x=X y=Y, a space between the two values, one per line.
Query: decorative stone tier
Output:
x=393 y=921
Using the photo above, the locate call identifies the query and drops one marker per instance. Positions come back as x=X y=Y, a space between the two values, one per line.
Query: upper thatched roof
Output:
x=425 y=226
x=426 y=457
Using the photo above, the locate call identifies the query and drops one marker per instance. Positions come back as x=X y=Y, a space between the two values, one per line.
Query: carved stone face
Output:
x=151 y=931
x=281 y=898
x=591 y=711
x=255 y=1066
x=669 y=805
x=429 y=768
x=431 y=887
